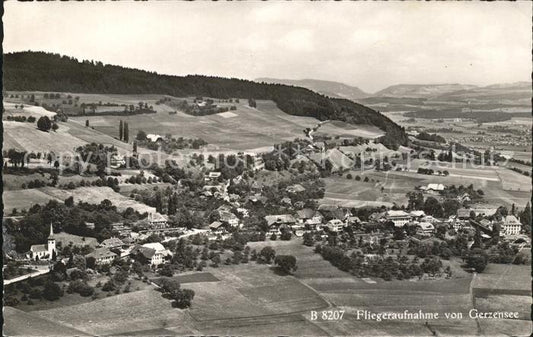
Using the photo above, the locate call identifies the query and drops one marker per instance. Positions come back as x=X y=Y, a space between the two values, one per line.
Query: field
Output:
x=24 y=199
x=500 y=185
x=20 y=323
x=121 y=314
x=243 y=129
x=349 y=293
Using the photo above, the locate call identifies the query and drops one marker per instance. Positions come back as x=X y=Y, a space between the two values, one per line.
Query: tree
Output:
x=450 y=207
x=120 y=130
x=308 y=239
x=286 y=263
x=183 y=298
x=433 y=207
x=267 y=254
x=44 y=124
x=166 y=271
x=126 y=132
x=69 y=202
x=141 y=135
x=416 y=200
x=86 y=123
x=525 y=218
x=477 y=259
x=52 y=291
x=55 y=126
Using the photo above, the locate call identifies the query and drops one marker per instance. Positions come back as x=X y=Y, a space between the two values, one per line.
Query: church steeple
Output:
x=51 y=231
x=51 y=244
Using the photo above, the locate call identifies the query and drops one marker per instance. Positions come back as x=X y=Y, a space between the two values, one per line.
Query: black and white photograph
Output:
x=267 y=168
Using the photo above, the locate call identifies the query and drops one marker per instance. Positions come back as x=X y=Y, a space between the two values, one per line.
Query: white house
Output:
x=155 y=252
x=511 y=225
x=334 y=225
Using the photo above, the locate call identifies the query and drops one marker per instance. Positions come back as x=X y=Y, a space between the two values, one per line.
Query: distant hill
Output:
x=421 y=90
x=512 y=93
x=328 y=88
x=39 y=71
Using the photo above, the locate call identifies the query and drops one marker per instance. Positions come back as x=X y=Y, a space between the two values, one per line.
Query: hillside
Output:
x=421 y=90
x=32 y=71
x=328 y=88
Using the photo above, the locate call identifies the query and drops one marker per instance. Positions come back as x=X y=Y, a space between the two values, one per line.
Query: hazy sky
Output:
x=370 y=45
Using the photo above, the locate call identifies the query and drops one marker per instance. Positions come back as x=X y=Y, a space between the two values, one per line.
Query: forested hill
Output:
x=39 y=71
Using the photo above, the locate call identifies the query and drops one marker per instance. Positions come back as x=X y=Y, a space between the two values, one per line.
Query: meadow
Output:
x=24 y=199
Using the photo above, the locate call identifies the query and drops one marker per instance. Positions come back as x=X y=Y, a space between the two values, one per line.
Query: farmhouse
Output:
x=286 y=219
x=111 y=243
x=310 y=218
x=296 y=188
x=217 y=228
x=464 y=213
x=157 y=221
x=399 y=218
x=511 y=225
x=102 y=256
x=278 y=222
x=333 y=212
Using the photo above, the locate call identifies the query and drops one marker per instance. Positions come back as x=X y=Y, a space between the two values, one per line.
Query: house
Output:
x=304 y=214
x=157 y=220
x=435 y=187
x=334 y=212
x=212 y=176
x=353 y=220
x=111 y=243
x=229 y=218
x=286 y=219
x=258 y=163
x=117 y=161
x=102 y=256
x=278 y=222
x=154 y=137
x=243 y=211
x=464 y=213
x=417 y=214
x=154 y=252
x=511 y=225
x=463 y=197
x=428 y=218
x=286 y=201
x=218 y=228
x=426 y=228
x=334 y=225
x=121 y=229
x=296 y=188
x=399 y=218
x=310 y=218
x=89 y=225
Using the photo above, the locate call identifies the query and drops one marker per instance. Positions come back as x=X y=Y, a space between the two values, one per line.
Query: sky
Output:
x=370 y=45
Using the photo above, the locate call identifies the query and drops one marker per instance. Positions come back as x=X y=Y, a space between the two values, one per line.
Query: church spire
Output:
x=51 y=231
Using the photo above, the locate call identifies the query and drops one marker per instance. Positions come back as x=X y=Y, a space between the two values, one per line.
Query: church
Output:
x=48 y=250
